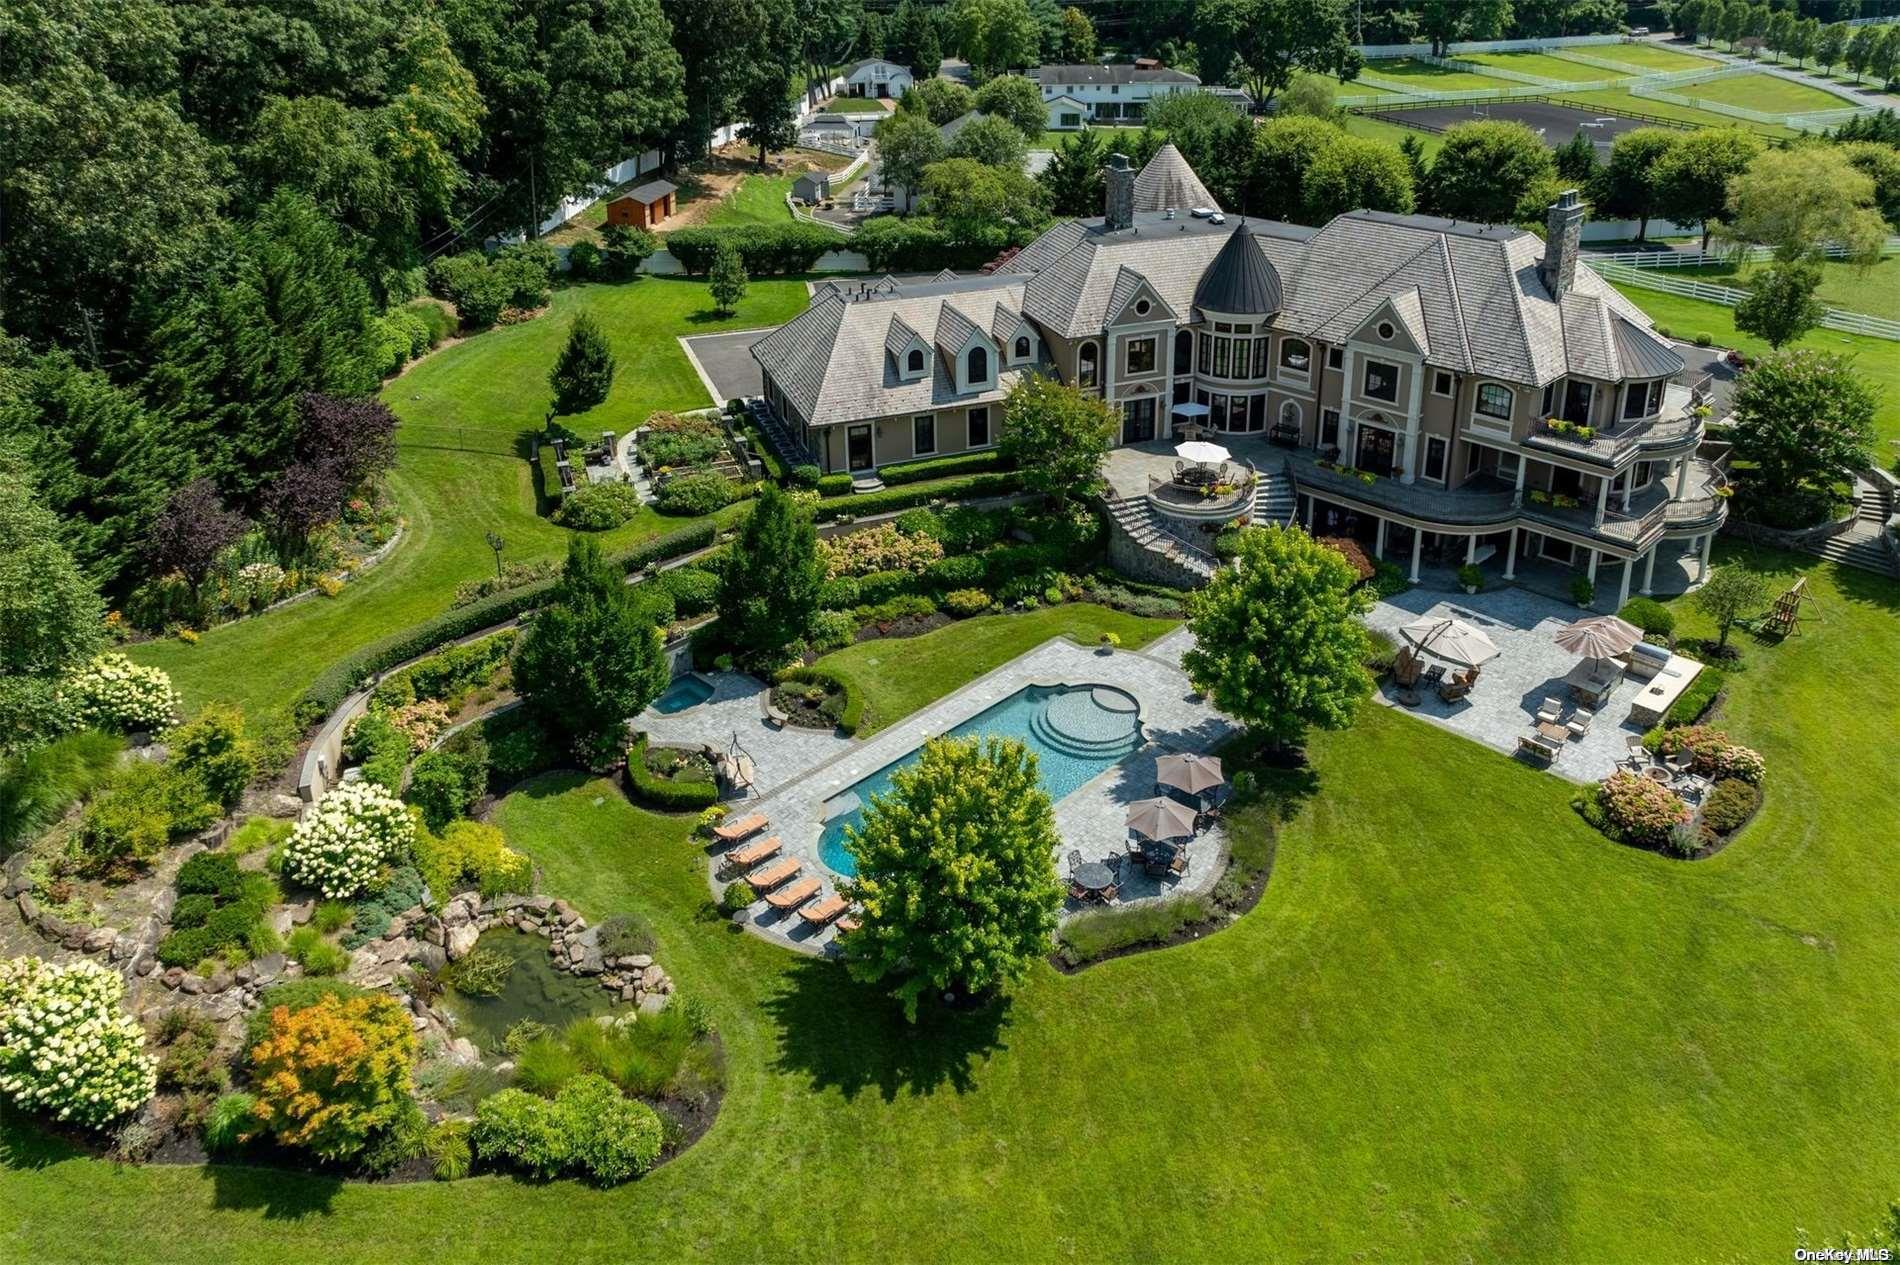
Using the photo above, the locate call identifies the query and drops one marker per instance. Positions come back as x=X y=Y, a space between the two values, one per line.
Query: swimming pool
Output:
x=688 y=691
x=1076 y=732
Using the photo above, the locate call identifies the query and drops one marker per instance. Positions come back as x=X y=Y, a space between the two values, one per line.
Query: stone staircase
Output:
x=1861 y=545
x=1275 y=496
x=784 y=443
x=1140 y=546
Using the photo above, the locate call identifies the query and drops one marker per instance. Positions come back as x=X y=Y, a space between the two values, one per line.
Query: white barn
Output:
x=875 y=77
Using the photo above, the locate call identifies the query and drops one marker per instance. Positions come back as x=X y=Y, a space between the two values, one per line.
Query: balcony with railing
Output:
x=1205 y=493
x=1675 y=428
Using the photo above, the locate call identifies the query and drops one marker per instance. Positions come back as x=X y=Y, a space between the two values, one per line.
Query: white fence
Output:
x=1710 y=258
x=1729 y=296
x=1375 y=52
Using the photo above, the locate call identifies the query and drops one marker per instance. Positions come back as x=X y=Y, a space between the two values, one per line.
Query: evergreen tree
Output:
x=768 y=590
x=593 y=658
x=584 y=372
x=1577 y=160
x=1804 y=422
x=727 y=277
x=1073 y=179
x=1078 y=37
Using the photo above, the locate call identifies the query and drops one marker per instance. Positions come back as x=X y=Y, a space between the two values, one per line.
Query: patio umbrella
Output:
x=1201 y=452
x=1161 y=818
x=1452 y=640
x=1195 y=774
x=1599 y=637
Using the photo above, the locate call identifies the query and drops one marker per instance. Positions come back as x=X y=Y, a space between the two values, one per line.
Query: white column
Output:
x=1378 y=546
x=1702 y=562
x=1517 y=493
x=1418 y=550
x=1312 y=512
x=1629 y=488
x=1347 y=448
x=1603 y=498
x=1471 y=550
x=1682 y=478
x=1410 y=467
x=1649 y=570
x=1593 y=567
x=1623 y=585
x=1510 y=557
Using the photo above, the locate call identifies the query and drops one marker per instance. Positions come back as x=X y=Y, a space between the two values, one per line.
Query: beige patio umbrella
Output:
x=1195 y=774
x=1161 y=818
x=1452 y=640
x=1599 y=637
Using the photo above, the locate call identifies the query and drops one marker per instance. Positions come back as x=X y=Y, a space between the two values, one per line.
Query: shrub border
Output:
x=658 y=792
x=853 y=715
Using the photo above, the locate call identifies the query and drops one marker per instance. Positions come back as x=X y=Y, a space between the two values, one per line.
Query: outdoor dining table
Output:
x=1094 y=876
x=1591 y=680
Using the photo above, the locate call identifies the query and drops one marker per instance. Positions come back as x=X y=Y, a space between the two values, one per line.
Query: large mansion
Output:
x=1429 y=378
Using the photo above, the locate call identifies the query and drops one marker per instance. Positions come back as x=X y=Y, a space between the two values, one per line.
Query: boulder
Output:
x=462 y=1050
x=191 y=984
x=389 y=952
x=652 y=1004
x=29 y=908
x=651 y=977
x=164 y=903
x=302 y=912
x=639 y=961
x=627 y=992
x=428 y=956
x=15 y=873
x=145 y=966
x=246 y=973
x=282 y=806
x=173 y=977
x=397 y=928
x=220 y=982
x=99 y=939
x=280 y=920
x=267 y=968
x=455 y=913
x=539 y=903
x=461 y=940
x=123 y=948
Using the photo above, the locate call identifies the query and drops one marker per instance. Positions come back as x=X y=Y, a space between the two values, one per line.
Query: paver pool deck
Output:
x=1090 y=820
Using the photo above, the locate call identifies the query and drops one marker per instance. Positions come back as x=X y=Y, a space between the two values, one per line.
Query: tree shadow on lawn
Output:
x=26 y=1147
x=277 y=1194
x=852 y=1036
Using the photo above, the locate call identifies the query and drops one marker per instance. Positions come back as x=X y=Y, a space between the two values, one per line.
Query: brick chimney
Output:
x=1563 y=228
x=1118 y=179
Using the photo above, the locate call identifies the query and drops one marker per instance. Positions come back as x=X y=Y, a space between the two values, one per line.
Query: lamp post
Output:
x=496 y=543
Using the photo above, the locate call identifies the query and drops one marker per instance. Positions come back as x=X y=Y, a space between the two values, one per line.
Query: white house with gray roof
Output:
x=1108 y=94
x=1434 y=385
x=875 y=77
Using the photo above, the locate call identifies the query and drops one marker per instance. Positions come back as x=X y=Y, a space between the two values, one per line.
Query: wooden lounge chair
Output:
x=734 y=831
x=1637 y=754
x=751 y=854
x=820 y=912
x=774 y=874
x=848 y=924
x=793 y=895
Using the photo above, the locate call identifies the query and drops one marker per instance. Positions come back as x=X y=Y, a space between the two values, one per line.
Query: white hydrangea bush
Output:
x=112 y=692
x=352 y=833
x=66 y=1048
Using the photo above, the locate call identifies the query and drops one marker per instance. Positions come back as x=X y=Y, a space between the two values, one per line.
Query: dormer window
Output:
x=1022 y=347
x=914 y=360
x=979 y=365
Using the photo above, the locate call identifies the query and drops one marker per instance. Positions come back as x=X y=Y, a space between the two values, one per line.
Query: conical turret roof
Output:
x=1168 y=181
x=1241 y=281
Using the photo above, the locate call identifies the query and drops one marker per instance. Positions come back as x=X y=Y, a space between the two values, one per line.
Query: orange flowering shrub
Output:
x=329 y=1075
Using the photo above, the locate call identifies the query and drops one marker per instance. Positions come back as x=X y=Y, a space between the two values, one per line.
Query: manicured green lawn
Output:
x=1770 y=94
x=1874 y=291
x=1355 y=88
x=1544 y=66
x=1425 y=77
x=1378 y=127
x=1622 y=101
x=1459 y=1025
x=854 y=105
x=1649 y=56
x=462 y=472
x=1876 y=359
x=758 y=200
x=899 y=676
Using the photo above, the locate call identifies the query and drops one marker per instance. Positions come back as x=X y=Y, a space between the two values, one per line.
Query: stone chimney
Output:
x=1118 y=179
x=1563 y=226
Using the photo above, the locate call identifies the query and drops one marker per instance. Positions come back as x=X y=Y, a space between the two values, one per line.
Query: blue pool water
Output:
x=1076 y=732
x=688 y=691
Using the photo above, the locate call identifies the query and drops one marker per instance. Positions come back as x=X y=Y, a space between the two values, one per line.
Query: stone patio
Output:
x=1529 y=668
x=736 y=713
x=1090 y=820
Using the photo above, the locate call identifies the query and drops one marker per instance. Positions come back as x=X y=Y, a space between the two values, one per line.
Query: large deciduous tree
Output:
x=1692 y=176
x=1267 y=42
x=1356 y=173
x=768 y=589
x=1278 y=640
x=956 y=872
x=977 y=205
x=992 y=141
x=1627 y=188
x=1077 y=45
x=1057 y=436
x=584 y=373
x=1016 y=99
x=1486 y=171
x=1804 y=422
x=767 y=96
x=938 y=100
x=592 y=658
x=995 y=35
x=1795 y=200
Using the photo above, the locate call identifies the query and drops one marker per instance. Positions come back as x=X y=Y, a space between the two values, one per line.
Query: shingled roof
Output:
x=1167 y=182
x=1241 y=281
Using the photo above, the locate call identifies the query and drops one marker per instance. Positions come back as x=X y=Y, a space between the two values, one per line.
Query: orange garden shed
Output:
x=643 y=207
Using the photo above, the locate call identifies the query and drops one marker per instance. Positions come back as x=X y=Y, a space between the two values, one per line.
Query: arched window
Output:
x=1184 y=352
x=1022 y=347
x=1494 y=400
x=1085 y=365
x=979 y=365
x=1289 y=417
x=914 y=362
x=1295 y=355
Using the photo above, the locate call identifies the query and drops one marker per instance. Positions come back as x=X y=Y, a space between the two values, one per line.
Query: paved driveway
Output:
x=724 y=363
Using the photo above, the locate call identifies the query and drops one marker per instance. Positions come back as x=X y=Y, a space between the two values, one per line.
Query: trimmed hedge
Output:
x=335 y=682
x=1000 y=483
x=853 y=714
x=882 y=586
x=661 y=793
x=1697 y=698
x=765 y=249
x=941 y=467
x=919 y=244
x=834 y=485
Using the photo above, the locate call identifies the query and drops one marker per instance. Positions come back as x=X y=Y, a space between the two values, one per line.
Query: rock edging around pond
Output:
x=573 y=945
